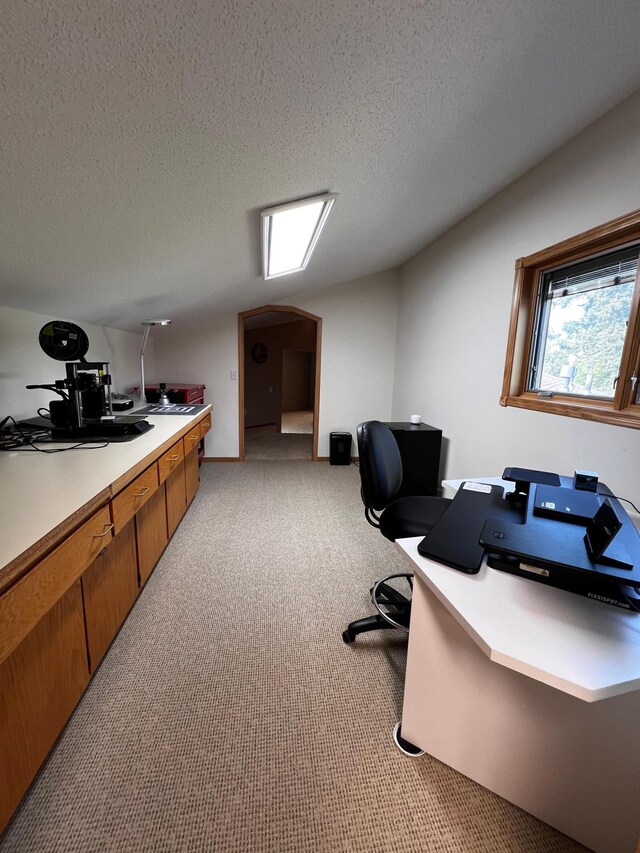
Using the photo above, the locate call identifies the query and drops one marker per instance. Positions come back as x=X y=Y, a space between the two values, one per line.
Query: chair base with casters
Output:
x=383 y=595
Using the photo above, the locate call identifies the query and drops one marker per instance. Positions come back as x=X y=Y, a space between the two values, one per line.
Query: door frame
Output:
x=283 y=309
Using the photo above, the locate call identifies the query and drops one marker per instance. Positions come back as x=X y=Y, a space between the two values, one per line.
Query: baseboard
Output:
x=354 y=459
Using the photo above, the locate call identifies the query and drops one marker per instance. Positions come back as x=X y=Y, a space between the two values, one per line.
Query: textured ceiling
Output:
x=139 y=141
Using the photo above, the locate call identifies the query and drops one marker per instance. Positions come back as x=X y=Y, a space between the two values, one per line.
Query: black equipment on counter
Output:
x=85 y=410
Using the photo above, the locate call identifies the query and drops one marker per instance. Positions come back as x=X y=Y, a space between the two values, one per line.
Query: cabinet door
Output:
x=40 y=684
x=151 y=533
x=109 y=586
x=192 y=474
x=176 y=498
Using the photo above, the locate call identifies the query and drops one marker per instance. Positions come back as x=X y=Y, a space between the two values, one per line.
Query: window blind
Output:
x=594 y=274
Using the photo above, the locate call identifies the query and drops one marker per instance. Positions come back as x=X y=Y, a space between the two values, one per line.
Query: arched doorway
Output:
x=272 y=315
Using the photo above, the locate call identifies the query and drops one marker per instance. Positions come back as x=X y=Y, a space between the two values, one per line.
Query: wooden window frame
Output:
x=622 y=410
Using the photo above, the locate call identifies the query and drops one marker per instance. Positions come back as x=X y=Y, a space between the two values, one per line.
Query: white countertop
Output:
x=587 y=649
x=40 y=490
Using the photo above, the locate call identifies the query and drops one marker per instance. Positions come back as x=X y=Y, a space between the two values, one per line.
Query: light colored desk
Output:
x=531 y=691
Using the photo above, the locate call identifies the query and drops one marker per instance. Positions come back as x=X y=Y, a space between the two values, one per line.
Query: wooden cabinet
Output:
x=151 y=533
x=40 y=684
x=59 y=618
x=191 y=474
x=109 y=588
x=26 y=602
x=176 y=498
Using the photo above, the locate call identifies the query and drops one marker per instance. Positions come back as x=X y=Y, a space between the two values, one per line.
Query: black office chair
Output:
x=380 y=478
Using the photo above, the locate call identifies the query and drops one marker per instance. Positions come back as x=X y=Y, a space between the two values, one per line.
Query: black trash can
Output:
x=340 y=448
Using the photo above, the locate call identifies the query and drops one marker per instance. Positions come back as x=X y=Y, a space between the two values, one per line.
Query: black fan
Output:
x=64 y=341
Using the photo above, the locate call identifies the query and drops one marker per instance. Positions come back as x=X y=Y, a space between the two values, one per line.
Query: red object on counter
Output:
x=177 y=392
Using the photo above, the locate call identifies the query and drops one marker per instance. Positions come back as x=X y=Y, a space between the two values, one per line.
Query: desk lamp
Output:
x=147 y=324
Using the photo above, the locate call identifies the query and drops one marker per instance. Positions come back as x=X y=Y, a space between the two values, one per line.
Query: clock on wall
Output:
x=259 y=353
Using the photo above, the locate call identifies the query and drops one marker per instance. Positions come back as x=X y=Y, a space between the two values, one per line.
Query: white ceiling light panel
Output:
x=290 y=233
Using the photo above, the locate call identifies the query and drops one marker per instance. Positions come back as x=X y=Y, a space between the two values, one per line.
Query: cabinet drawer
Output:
x=191 y=439
x=129 y=500
x=170 y=460
x=205 y=426
x=27 y=601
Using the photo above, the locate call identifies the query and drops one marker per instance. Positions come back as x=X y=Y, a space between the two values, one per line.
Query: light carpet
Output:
x=297 y=422
x=265 y=443
x=229 y=715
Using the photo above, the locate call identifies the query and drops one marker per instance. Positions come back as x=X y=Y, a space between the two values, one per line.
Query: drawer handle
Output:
x=194 y=437
x=100 y=535
x=143 y=492
x=173 y=458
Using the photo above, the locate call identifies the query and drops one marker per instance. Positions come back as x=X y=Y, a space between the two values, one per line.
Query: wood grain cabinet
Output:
x=40 y=684
x=176 y=498
x=27 y=601
x=59 y=618
x=191 y=473
x=151 y=533
x=109 y=588
x=171 y=473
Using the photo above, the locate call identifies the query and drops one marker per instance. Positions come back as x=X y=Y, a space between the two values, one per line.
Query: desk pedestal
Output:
x=573 y=764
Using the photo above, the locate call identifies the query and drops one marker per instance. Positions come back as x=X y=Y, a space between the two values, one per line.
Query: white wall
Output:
x=22 y=362
x=206 y=353
x=455 y=298
x=358 y=350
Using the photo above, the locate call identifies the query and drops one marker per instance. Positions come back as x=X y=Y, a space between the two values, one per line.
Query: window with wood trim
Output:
x=574 y=336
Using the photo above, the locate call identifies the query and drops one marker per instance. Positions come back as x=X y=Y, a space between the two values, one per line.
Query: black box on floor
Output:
x=340 y=448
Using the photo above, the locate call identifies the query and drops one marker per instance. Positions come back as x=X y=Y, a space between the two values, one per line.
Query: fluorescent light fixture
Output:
x=290 y=233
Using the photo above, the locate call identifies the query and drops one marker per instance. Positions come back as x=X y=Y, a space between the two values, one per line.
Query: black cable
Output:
x=8 y=418
x=33 y=449
x=626 y=500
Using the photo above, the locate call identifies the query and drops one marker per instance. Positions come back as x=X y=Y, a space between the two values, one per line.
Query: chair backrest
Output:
x=380 y=464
